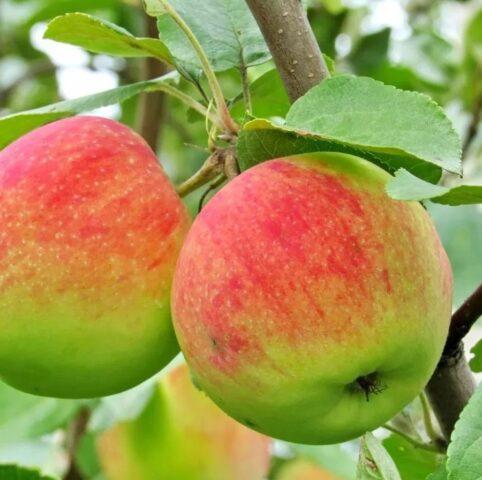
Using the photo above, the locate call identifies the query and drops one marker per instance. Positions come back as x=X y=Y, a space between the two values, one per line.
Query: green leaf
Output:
x=406 y=186
x=24 y=416
x=365 y=113
x=262 y=140
x=476 y=360
x=226 y=30
x=370 y=52
x=18 y=124
x=465 y=449
x=439 y=474
x=374 y=461
x=412 y=463
x=14 y=472
x=99 y=36
x=268 y=97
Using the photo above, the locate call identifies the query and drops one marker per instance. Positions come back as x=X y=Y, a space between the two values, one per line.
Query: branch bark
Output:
x=75 y=433
x=452 y=384
x=152 y=105
x=293 y=45
x=473 y=127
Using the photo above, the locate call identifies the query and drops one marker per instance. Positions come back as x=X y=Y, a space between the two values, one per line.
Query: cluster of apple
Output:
x=309 y=305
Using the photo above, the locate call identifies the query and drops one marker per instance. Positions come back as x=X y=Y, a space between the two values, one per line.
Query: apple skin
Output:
x=91 y=230
x=182 y=435
x=301 y=469
x=309 y=305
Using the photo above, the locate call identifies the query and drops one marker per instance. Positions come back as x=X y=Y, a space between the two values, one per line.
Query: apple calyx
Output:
x=369 y=384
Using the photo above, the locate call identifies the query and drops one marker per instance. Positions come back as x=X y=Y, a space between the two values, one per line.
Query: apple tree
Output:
x=320 y=296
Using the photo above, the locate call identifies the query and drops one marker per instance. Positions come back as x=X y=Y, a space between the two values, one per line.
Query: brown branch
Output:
x=292 y=43
x=473 y=125
x=462 y=320
x=75 y=433
x=152 y=105
x=452 y=384
x=449 y=390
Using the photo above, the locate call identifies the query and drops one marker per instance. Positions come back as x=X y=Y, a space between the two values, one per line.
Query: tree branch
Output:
x=449 y=390
x=452 y=384
x=292 y=43
x=462 y=320
x=151 y=111
x=75 y=433
x=473 y=125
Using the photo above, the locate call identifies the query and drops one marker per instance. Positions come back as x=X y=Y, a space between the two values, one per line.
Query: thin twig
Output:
x=427 y=420
x=218 y=182
x=75 y=433
x=186 y=99
x=228 y=123
x=424 y=446
x=246 y=93
x=462 y=321
x=473 y=127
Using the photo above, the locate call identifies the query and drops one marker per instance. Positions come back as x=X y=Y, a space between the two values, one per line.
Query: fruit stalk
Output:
x=287 y=32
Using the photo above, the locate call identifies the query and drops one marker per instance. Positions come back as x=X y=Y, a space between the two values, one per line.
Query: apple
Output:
x=182 y=435
x=301 y=469
x=90 y=232
x=310 y=305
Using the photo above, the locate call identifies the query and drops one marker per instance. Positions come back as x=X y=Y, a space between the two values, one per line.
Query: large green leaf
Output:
x=412 y=463
x=99 y=36
x=465 y=449
x=18 y=124
x=375 y=462
x=406 y=186
x=367 y=114
x=14 y=472
x=24 y=416
x=476 y=360
x=389 y=127
x=226 y=29
x=262 y=140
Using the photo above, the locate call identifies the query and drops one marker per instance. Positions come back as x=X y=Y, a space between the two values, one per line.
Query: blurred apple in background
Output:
x=304 y=470
x=182 y=435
